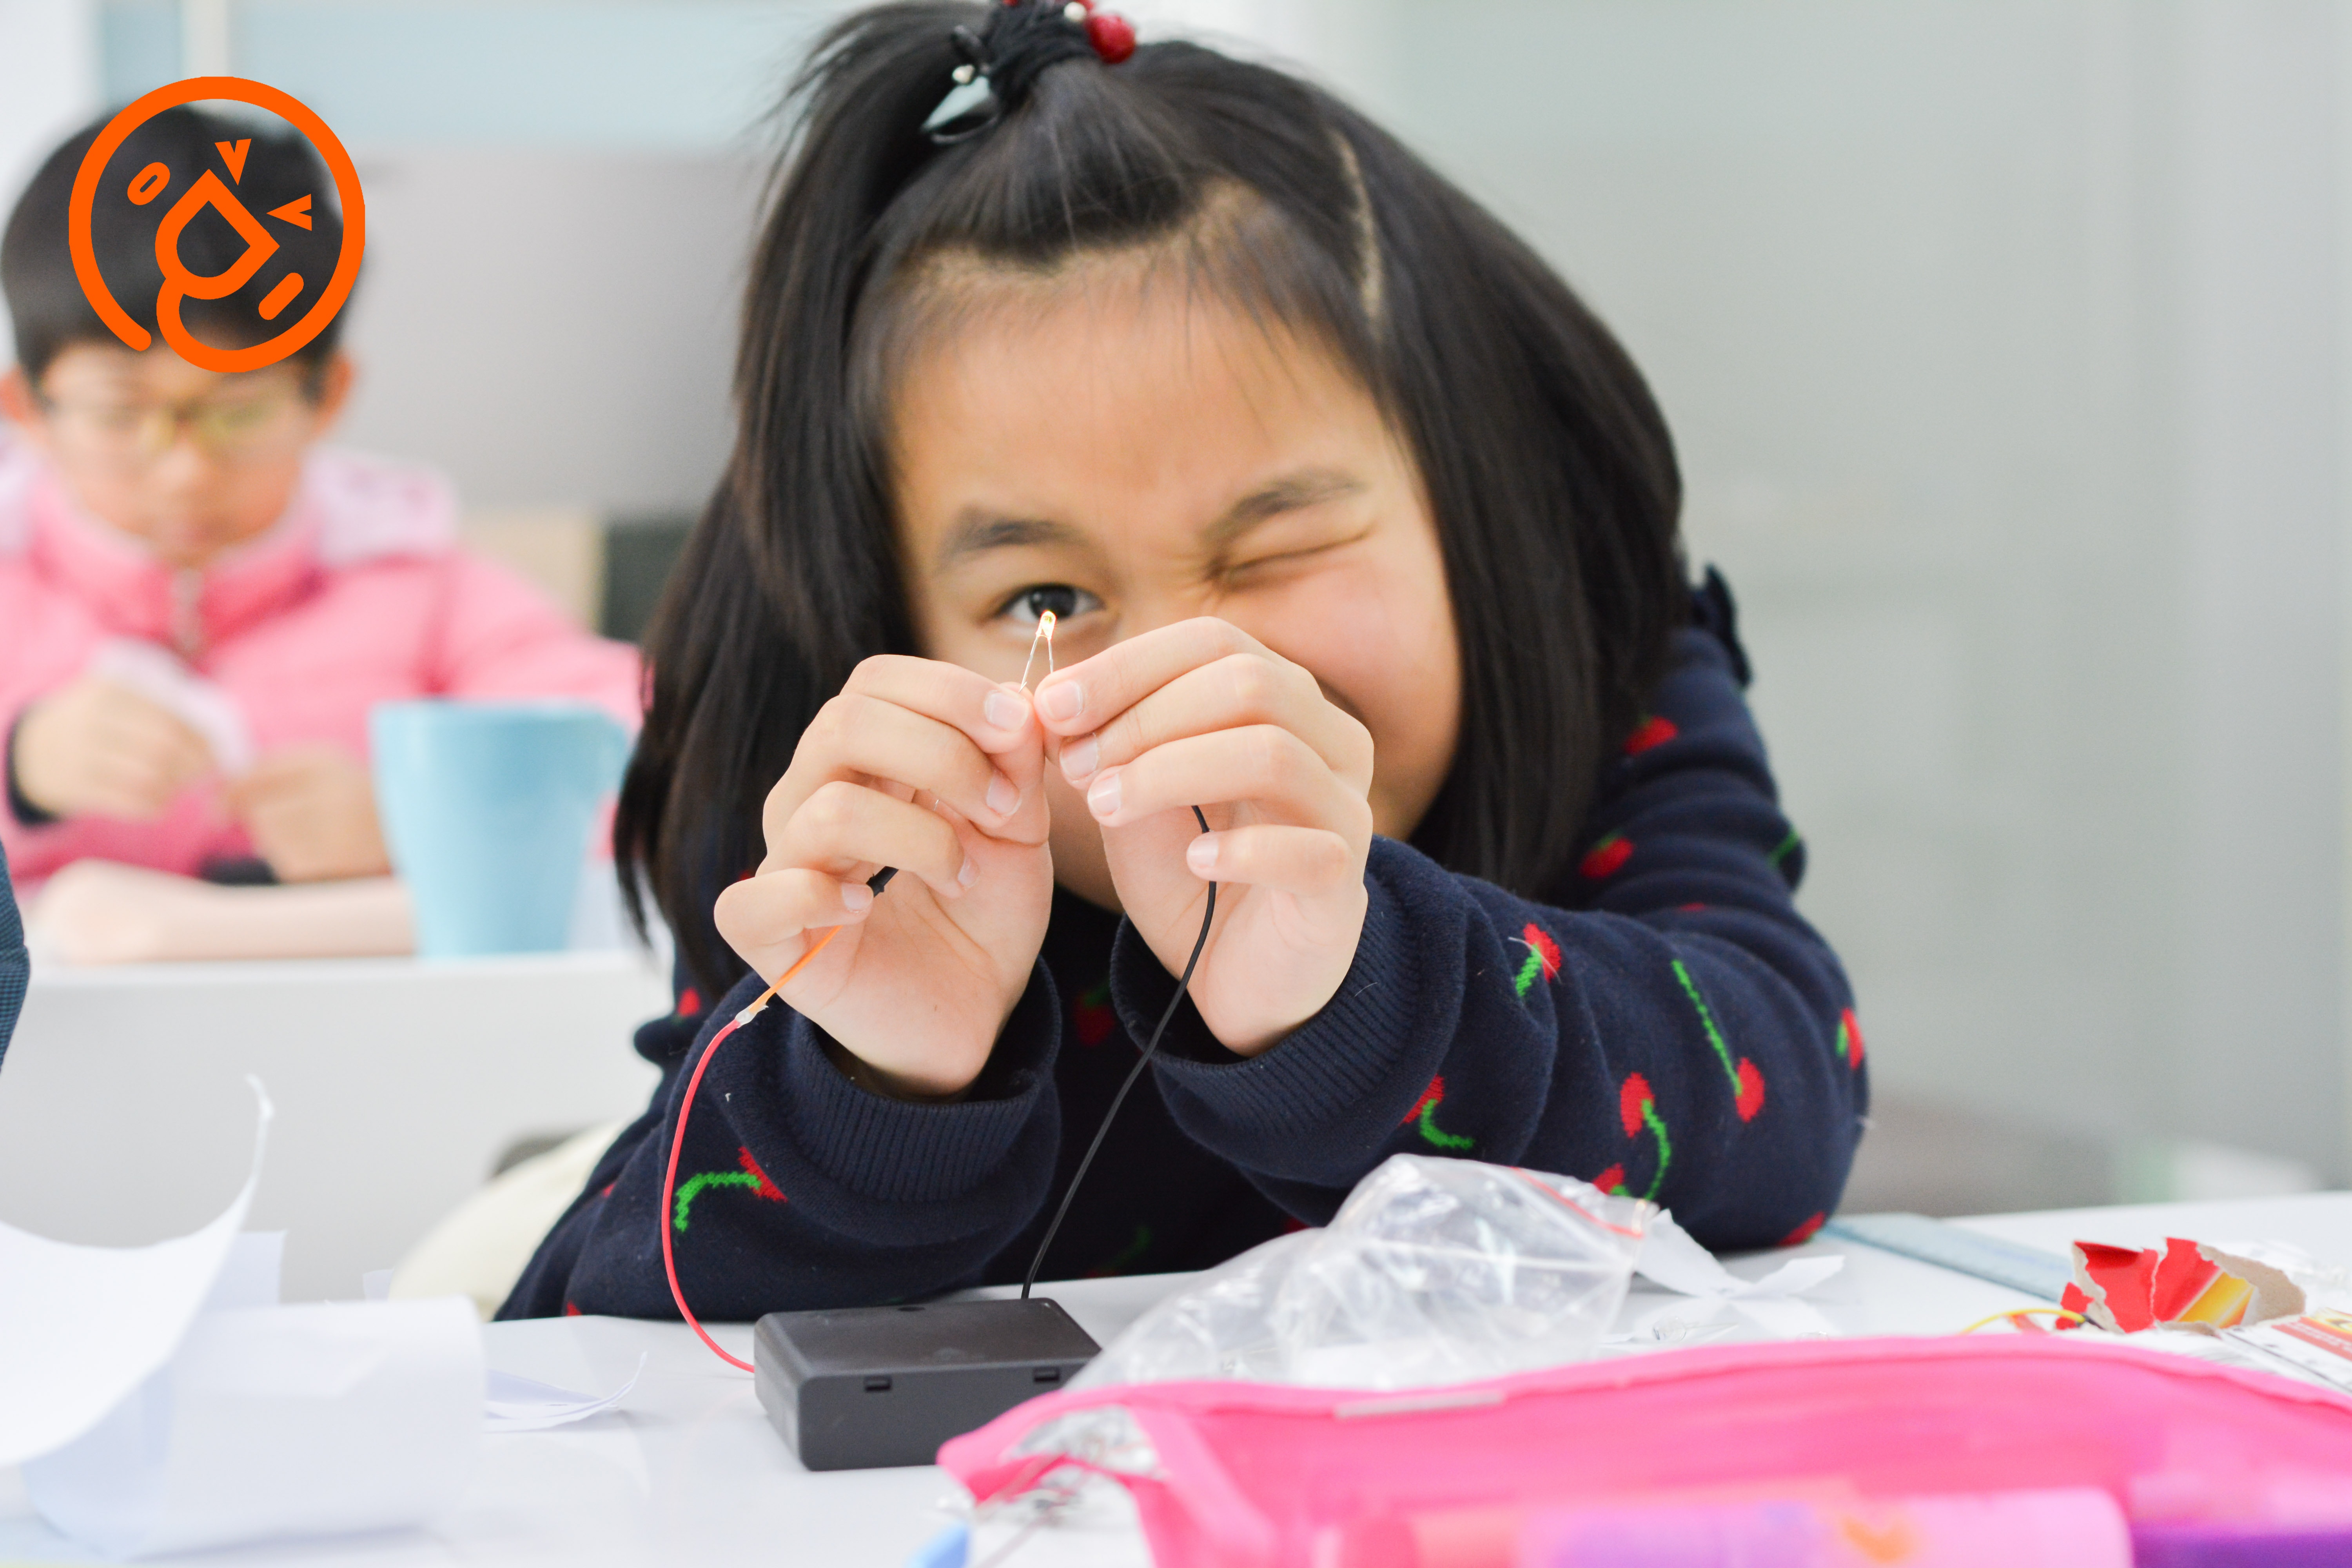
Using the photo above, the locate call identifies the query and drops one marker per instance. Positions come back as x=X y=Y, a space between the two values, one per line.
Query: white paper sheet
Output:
x=280 y=1421
x=512 y=1404
x=204 y=706
x=81 y=1327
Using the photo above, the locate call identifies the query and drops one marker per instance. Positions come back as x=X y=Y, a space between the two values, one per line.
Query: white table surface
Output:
x=689 y=1471
x=124 y=1116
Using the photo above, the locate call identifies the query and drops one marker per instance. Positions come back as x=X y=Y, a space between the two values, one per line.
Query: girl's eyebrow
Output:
x=1292 y=492
x=975 y=533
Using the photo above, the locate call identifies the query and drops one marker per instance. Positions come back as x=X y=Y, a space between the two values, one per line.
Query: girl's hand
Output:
x=939 y=771
x=1200 y=713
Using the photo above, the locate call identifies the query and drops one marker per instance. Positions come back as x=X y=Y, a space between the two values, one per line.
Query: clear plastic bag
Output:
x=1432 y=1271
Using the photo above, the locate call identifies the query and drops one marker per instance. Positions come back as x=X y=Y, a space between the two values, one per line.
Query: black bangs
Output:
x=1548 y=468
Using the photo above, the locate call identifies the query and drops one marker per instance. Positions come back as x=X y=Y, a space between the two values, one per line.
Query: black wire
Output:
x=1135 y=1072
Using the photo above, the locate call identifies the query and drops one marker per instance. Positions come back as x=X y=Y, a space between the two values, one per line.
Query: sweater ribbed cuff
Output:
x=20 y=807
x=1350 y=1072
x=896 y=1151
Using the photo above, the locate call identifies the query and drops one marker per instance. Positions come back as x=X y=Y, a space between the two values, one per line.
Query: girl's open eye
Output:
x=1024 y=608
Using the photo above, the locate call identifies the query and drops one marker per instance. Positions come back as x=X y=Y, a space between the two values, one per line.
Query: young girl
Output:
x=1360 y=532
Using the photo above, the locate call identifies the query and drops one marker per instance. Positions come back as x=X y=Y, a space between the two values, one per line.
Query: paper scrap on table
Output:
x=159 y=1399
x=81 y=1327
x=321 y=1419
x=204 y=706
x=2316 y=1346
x=1670 y=1259
x=512 y=1404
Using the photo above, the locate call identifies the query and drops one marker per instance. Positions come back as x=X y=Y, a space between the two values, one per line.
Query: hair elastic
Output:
x=1002 y=61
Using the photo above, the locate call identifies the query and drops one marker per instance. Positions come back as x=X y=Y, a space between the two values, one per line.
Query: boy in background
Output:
x=198 y=602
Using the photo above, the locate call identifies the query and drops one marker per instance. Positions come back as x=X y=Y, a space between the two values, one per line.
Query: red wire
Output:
x=677 y=1141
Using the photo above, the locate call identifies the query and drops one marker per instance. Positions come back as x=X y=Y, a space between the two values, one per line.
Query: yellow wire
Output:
x=2012 y=1315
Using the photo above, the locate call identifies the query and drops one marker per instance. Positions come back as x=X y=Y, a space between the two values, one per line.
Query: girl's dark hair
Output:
x=1547 y=465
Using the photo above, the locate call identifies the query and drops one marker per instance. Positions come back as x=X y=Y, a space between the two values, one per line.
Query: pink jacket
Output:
x=361 y=595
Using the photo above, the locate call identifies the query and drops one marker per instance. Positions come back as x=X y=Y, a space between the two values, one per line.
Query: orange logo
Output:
x=179 y=283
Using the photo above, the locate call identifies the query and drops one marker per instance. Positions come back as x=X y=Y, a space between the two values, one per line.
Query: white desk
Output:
x=124 y=1116
x=690 y=1472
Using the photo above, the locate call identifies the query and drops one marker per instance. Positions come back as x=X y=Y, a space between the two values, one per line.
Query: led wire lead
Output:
x=1046 y=638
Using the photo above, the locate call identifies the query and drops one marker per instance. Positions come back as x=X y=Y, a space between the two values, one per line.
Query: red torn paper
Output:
x=2186 y=1285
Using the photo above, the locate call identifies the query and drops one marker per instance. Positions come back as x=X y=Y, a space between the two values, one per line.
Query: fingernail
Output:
x=1102 y=799
x=1002 y=794
x=856 y=896
x=1202 y=854
x=1062 y=700
x=1079 y=758
x=970 y=872
x=1003 y=711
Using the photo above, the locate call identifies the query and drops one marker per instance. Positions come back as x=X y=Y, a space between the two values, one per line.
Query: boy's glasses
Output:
x=227 y=428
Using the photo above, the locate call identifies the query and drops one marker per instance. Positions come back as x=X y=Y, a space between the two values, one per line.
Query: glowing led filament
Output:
x=1044 y=638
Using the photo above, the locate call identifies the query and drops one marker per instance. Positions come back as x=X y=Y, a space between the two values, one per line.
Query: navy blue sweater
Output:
x=1667 y=1025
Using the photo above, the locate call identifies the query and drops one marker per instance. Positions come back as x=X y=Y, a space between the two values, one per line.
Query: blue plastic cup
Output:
x=486 y=808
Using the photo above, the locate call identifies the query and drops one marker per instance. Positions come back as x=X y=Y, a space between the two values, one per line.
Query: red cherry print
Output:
x=1654 y=730
x=1548 y=950
x=1631 y=1100
x=1804 y=1233
x=766 y=1188
x=1611 y=1180
x=1605 y=858
x=1431 y=1096
x=690 y=1003
x=1113 y=37
x=1752 y=1090
x=1849 y=1038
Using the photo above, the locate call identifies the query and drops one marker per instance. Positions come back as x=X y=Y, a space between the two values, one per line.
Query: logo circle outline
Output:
x=259 y=95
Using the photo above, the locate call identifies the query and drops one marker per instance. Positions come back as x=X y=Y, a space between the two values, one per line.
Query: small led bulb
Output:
x=1044 y=638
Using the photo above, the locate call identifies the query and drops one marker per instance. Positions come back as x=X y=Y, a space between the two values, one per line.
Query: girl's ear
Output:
x=336 y=378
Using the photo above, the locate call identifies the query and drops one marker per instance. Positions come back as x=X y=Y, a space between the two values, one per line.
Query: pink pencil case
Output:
x=1244 y=1474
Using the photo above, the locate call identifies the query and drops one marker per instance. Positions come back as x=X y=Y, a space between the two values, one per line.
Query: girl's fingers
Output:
x=770 y=909
x=997 y=717
x=856 y=737
x=1304 y=861
x=1090 y=693
x=1238 y=690
x=1268 y=767
x=846 y=830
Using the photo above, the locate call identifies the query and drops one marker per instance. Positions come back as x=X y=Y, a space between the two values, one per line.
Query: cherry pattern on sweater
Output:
x=1747 y=1081
x=750 y=1175
x=1637 y=1108
x=1424 y=1112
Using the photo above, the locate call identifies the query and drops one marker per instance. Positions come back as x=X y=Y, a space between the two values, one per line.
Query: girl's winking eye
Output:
x=1024 y=608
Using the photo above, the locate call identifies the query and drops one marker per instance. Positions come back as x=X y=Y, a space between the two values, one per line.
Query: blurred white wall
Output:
x=48 y=86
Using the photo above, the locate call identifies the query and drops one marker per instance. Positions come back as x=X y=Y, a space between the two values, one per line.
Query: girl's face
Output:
x=1127 y=458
